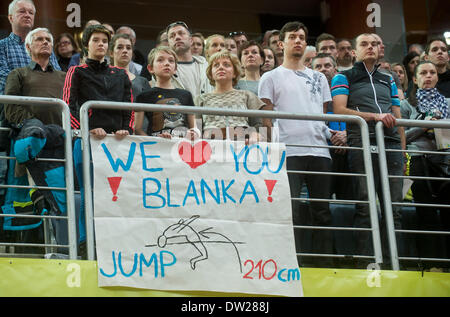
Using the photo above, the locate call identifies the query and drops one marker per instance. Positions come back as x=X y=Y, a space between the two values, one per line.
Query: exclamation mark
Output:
x=114 y=183
x=270 y=184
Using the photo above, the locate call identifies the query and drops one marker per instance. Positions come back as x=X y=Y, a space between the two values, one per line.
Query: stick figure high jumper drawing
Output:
x=183 y=232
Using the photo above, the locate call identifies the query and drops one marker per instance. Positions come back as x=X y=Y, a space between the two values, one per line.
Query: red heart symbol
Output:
x=196 y=155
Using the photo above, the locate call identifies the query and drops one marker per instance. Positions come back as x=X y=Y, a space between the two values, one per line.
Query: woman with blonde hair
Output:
x=223 y=73
x=400 y=70
x=213 y=44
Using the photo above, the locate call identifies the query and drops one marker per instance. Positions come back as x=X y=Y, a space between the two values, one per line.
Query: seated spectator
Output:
x=198 y=44
x=310 y=53
x=230 y=45
x=162 y=64
x=38 y=79
x=252 y=57
x=400 y=70
x=213 y=44
x=425 y=103
x=437 y=53
x=410 y=61
x=121 y=52
x=224 y=72
x=270 y=61
x=65 y=48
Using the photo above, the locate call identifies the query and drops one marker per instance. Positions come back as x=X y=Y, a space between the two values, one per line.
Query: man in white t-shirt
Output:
x=294 y=88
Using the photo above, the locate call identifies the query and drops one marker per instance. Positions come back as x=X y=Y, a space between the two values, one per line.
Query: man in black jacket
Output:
x=366 y=92
x=437 y=53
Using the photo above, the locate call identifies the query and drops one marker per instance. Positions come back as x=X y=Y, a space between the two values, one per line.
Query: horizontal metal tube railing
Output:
x=68 y=167
x=379 y=129
x=84 y=120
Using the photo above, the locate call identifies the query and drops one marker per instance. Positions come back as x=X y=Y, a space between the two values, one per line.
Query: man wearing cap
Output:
x=191 y=70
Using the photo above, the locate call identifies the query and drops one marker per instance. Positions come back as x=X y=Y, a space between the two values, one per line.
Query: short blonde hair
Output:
x=234 y=60
x=154 y=52
x=208 y=43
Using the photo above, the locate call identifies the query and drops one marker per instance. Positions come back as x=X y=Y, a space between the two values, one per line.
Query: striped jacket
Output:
x=99 y=81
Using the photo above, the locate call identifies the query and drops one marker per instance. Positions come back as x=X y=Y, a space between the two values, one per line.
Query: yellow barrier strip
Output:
x=67 y=278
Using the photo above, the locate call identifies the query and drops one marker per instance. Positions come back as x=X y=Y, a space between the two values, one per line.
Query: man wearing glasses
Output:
x=191 y=70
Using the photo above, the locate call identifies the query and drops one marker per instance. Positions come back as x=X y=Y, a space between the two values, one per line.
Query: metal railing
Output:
x=366 y=148
x=68 y=165
x=388 y=203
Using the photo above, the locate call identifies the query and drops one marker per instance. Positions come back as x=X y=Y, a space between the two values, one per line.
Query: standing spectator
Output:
x=310 y=53
x=224 y=72
x=400 y=70
x=65 y=48
x=269 y=62
x=274 y=38
x=426 y=103
x=345 y=56
x=21 y=14
x=230 y=45
x=366 y=92
x=110 y=28
x=38 y=79
x=294 y=88
x=437 y=53
x=162 y=63
x=239 y=37
x=252 y=56
x=96 y=80
x=191 y=70
x=385 y=67
x=416 y=48
x=326 y=43
x=214 y=43
x=138 y=59
x=198 y=44
x=121 y=52
x=410 y=61
x=326 y=64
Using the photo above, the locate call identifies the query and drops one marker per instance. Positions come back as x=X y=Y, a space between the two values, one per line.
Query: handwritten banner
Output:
x=204 y=215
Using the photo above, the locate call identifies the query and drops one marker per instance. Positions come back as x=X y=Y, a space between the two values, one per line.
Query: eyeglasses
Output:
x=65 y=43
x=177 y=23
x=237 y=33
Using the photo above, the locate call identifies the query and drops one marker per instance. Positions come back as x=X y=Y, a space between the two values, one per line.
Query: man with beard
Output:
x=191 y=70
x=345 y=56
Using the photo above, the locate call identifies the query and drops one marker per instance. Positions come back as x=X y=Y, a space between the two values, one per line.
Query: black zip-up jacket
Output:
x=99 y=81
x=374 y=92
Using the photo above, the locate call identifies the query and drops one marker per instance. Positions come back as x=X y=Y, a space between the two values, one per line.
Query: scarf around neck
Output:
x=430 y=100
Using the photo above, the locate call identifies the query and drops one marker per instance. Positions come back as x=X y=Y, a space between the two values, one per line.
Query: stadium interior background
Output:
x=403 y=22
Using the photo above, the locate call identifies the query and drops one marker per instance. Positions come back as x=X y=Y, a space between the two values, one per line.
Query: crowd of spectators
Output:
x=280 y=72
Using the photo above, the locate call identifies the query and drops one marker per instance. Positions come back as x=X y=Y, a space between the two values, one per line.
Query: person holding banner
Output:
x=223 y=73
x=162 y=63
x=96 y=80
